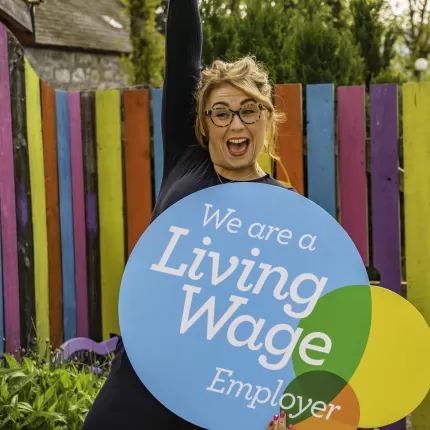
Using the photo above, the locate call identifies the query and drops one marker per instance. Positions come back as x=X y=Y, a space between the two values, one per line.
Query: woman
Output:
x=215 y=124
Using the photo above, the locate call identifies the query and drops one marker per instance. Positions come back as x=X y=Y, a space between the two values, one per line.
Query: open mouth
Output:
x=237 y=147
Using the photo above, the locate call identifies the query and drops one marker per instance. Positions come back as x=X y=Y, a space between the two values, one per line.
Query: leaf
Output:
x=23 y=406
x=18 y=387
x=38 y=402
x=3 y=424
x=5 y=372
x=10 y=361
x=49 y=393
x=28 y=365
x=18 y=374
x=4 y=391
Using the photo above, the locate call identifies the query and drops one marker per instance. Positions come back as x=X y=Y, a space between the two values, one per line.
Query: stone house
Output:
x=72 y=44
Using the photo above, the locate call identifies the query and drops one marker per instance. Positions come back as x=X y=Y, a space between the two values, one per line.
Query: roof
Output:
x=16 y=11
x=85 y=24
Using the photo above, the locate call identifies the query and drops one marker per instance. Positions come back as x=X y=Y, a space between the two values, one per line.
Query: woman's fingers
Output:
x=279 y=422
x=270 y=425
x=282 y=421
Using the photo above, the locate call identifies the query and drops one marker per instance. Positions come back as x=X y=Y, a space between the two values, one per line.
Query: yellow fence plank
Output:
x=416 y=141
x=111 y=214
x=38 y=200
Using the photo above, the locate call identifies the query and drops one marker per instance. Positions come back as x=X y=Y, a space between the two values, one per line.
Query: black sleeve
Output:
x=183 y=68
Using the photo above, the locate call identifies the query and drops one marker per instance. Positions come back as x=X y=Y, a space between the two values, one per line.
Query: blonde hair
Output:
x=247 y=75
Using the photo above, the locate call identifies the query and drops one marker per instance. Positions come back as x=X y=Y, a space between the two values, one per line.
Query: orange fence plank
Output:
x=288 y=99
x=52 y=214
x=137 y=164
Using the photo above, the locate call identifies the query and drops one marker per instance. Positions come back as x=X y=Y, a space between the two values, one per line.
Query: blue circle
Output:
x=199 y=374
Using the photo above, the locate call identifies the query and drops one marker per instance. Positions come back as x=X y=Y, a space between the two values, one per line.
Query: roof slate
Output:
x=80 y=24
x=18 y=11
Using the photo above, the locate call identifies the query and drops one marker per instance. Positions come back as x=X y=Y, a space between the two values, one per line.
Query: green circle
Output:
x=344 y=315
x=309 y=391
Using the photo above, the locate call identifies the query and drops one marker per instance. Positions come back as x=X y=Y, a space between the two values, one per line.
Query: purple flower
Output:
x=97 y=370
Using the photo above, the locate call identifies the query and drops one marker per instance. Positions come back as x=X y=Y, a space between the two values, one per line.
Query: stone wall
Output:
x=76 y=71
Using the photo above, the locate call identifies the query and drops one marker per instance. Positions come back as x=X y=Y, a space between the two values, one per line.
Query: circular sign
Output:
x=239 y=296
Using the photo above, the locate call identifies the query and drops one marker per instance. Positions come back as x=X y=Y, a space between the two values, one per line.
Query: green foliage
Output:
x=322 y=52
x=375 y=37
x=145 y=64
x=296 y=43
x=37 y=392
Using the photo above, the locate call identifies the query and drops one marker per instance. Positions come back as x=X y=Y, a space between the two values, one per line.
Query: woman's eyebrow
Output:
x=241 y=103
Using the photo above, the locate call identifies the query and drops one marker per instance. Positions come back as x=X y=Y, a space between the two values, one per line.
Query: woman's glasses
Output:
x=223 y=117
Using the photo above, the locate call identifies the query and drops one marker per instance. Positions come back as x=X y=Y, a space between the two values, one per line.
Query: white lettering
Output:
x=218 y=223
x=311 y=301
x=209 y=307
x=305 y=344
x=257 y=327
x=295 y=335
x=216 y=379
x=161 y=266
x=310 y=246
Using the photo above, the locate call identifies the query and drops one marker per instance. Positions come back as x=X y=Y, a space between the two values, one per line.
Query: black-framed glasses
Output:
x=223 y=116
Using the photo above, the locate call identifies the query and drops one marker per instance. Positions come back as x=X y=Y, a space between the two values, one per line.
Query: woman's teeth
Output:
x=237 y=147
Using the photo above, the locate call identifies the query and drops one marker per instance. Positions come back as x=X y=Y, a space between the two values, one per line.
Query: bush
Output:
x=41 y=391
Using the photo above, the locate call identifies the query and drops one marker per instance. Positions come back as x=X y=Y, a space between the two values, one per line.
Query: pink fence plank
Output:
x=352 y=166
x=78 y=215
x=7 y=205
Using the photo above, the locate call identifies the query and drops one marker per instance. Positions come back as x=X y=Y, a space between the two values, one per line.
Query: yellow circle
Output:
x=393 y=377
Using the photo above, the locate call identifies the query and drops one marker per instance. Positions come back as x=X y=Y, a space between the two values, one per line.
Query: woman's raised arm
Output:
x=183 y=68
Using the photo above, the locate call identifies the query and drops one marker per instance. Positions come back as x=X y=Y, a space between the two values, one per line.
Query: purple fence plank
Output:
x=78 y=214
x=385 y=185
x=7 y=205
x=385 y=191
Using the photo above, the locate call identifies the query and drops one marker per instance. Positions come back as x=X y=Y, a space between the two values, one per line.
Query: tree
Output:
x=416 y=31
x=297 y=44
x=375 y=38
x=145 y=65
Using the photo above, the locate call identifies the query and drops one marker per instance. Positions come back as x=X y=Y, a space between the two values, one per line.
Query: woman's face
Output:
x=234 y=146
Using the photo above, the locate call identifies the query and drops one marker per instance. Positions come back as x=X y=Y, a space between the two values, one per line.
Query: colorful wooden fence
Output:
x=79 y=173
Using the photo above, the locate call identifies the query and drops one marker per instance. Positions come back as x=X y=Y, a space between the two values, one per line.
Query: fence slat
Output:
x=55 y=283
x=38 y=200
x=352 y=166
x=157 y=97
x=91 y=212
x=80 y=255
x=7 y=205
x=110 y=187
x=416 y=153
x=66 y=214
x=2 y=328
x=385 y=192
x=26 y=260
x=137 y=164
x=321 y=169
x=385 y=185
x=288 y=99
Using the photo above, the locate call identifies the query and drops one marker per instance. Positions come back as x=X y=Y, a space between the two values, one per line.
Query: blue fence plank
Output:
x=157 y=96
x=320 y=146
x=66 y=214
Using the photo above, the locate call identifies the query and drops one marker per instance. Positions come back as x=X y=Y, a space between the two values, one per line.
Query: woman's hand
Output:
x=279 y=422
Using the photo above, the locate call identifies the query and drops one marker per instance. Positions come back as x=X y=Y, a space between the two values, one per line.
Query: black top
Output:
x=124 y=402
x=187 y=165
